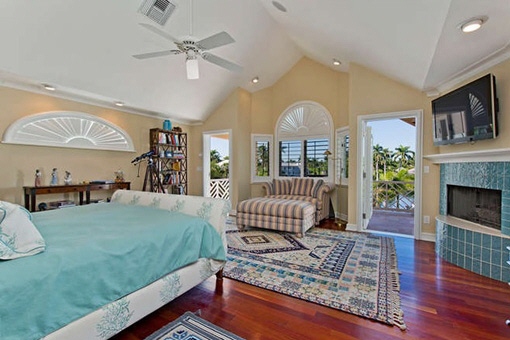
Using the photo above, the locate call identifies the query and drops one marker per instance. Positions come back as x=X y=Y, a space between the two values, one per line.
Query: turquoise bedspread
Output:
x=96 y=254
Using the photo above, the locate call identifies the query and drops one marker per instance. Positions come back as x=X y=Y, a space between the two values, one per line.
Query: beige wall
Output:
x=233 y=114
x=18 y=162
x=306 y=81
x=372 y=93
x=309 y=80
x=242 y=141
x=221 y=119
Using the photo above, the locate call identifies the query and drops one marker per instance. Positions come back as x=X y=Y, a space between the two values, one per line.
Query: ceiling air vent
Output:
x=157 y=10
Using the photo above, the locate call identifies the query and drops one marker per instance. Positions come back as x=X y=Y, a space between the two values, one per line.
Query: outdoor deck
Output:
x=399 y=222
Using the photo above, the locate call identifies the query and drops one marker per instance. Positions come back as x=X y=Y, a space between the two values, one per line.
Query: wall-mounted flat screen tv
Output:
x=466 y=114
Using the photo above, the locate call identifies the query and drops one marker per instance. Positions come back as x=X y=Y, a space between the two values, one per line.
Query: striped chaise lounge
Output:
x=302 y=189
x=277 y=214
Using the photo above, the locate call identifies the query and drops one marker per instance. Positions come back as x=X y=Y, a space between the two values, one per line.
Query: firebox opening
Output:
x=478 y=205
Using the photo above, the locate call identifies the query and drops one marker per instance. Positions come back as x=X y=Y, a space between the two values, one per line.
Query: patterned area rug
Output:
x=352 y=272
x=190 y=327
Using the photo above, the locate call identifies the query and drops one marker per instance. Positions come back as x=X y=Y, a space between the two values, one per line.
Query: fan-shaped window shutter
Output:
x=304 y=132
x=68 y=130
x=305 y=120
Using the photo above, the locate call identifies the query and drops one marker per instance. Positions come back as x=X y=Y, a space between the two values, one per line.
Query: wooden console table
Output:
x=32 y=192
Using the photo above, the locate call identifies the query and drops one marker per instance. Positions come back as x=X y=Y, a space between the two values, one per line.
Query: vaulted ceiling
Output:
x=85 y=48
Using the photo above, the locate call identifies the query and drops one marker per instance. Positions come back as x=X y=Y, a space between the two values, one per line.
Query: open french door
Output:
x=367 y=163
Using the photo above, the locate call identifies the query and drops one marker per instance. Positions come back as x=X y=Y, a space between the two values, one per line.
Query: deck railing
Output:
x=393 y=195
x=220 y=188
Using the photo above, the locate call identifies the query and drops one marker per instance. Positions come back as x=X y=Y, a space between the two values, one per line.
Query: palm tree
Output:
x=382 y=156
x=403 y=155
x=217 y=170
x=262 y=159
x=378 y=155
x=388 y=156
x=215 y=156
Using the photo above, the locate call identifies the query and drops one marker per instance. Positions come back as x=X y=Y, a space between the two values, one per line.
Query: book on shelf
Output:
x=178 y=189
x=170 y=179
x=162 y=138
x=173 y=139
x=178 y=154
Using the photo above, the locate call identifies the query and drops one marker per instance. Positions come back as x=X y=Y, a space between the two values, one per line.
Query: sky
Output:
x=220 y=145
x=393 y=133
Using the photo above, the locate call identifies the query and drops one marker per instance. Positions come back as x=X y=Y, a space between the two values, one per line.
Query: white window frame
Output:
x=261 y=138
x=328 y=134
x=341 y=175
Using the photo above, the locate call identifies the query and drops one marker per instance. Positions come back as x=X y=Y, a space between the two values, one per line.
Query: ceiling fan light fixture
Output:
x=473 y=24
x=336 y=62
x=255 y=80
x=118 y=103
x=192 y=67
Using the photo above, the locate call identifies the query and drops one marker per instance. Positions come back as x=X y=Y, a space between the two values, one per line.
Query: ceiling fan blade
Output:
x=155 y=54
x=159 y=32
x=217 y=40
x=221 y=62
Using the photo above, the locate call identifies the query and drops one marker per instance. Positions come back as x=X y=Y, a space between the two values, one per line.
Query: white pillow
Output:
x=18 y=235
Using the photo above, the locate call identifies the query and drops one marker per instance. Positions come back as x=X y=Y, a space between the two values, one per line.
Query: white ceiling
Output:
x=85 y=48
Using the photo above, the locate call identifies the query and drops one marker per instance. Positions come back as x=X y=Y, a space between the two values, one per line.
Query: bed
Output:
x=107 y=265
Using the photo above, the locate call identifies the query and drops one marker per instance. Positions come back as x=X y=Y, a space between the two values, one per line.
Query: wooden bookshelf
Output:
x=170 y=159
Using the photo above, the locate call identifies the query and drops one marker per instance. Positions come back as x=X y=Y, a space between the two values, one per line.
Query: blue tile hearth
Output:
x=487 y=259
x=476 y=251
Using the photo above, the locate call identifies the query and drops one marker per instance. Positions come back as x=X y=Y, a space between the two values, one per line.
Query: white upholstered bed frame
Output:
x=118 y=315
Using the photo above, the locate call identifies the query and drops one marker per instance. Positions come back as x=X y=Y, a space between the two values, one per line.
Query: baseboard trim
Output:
x=351 y=227
x=342 y=217
x=428 y=237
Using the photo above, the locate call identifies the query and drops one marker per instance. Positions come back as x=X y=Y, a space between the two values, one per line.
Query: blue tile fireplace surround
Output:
x=479 y=249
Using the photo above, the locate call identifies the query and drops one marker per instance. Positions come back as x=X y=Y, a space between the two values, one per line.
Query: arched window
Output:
x=304 y=133
x=68 y=130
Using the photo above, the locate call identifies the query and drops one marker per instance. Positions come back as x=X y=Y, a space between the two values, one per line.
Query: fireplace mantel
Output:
x=467 y=225
x=491 y=155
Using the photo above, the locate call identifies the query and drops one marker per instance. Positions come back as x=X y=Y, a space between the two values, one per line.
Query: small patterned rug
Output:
x=191 y=327
x=352 y=272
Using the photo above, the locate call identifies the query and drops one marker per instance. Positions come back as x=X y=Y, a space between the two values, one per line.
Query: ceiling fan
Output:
x=194 y=49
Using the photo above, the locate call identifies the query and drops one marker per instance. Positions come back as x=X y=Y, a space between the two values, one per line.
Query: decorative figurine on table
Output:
x=119 y=176
x=37 y=178
x=54 y=177
x=67 y=178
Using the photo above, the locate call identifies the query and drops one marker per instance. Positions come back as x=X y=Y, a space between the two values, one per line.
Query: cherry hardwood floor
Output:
x=440 y=301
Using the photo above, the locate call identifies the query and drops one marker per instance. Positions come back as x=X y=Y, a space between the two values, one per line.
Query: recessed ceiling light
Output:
x=336 y=62
x=119 y=103
x=279 y=6
x=473 y=24
x=49 y=87
x=255 y=80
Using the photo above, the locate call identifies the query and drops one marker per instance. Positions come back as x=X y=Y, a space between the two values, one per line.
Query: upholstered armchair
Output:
x=302 y=189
